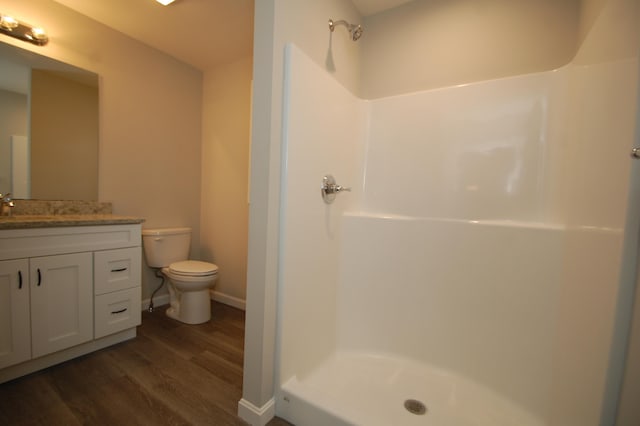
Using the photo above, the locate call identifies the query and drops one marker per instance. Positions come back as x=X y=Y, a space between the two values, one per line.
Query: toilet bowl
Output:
x=189 y=280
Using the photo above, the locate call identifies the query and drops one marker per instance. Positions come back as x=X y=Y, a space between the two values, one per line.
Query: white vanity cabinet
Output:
x=65 y=292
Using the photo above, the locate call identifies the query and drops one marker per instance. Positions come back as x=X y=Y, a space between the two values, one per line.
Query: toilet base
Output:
x=193 y=307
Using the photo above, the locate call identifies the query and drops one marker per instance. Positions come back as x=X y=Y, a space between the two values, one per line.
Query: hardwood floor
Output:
x=171 y=374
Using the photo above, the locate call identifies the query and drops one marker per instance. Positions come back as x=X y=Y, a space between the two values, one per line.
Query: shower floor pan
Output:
x=361 y=389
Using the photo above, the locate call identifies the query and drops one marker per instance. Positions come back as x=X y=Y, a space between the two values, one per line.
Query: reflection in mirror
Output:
x=48 y=128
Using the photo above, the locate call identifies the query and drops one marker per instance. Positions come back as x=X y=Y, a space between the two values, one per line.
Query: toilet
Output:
x=189 y=280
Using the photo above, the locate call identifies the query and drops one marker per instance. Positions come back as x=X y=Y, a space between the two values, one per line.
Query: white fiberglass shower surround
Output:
x=473 y=268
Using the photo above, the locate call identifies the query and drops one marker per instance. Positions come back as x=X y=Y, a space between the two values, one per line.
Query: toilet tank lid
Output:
x=166 y=231
x=193 y=267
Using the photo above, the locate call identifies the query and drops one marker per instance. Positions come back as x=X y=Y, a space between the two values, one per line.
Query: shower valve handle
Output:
x=329 y=189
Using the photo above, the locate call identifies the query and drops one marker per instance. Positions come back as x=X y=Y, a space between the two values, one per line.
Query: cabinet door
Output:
x=15 y=332
x=61 y=302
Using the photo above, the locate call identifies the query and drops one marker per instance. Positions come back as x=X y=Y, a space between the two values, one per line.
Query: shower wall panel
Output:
x=488 y=150
x=479 y=299
x=323 y=133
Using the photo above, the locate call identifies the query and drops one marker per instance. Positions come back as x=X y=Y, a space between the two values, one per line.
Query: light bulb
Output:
x=8 y=22
x=39 y=33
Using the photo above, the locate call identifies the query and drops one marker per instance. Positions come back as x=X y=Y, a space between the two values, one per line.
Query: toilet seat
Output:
x=193 y=268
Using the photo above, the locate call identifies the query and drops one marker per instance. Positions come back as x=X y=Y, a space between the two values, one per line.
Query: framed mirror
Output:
x=48 y=128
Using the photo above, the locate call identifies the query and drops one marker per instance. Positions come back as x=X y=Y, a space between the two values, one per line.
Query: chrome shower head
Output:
x=354 y=30
x=356 y=33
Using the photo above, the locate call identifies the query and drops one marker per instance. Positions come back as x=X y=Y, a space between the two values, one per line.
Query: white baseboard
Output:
x=256 y=416
x=163 y=299
x=160 y=300
x=229 y=300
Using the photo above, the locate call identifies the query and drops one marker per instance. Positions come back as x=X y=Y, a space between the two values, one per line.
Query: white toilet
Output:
x=189 y=280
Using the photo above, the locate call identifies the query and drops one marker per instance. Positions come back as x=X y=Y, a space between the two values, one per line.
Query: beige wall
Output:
x=150 y=117
x=428 y=44
x=305 y=22
x=13 y=121
x=225 y=175
x=64 y=138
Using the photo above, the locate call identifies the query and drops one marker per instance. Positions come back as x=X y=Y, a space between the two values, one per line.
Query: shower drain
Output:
x=415 y=407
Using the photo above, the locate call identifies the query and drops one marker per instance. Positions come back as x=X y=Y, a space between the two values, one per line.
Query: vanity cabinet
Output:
x=65 y=292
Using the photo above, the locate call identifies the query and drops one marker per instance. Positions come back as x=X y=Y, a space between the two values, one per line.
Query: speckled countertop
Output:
x=46 y=214
x=49 y=221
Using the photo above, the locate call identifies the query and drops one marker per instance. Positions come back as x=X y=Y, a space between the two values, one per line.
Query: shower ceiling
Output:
x=219 y=27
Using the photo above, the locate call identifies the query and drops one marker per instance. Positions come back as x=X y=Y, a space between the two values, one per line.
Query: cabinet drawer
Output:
x=116 y=269
x=117 y=311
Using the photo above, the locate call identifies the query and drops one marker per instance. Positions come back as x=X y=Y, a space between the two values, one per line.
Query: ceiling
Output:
x=184 y=29
x=371 y=7
x=221 y=28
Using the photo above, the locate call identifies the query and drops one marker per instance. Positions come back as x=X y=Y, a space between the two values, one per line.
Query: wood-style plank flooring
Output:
x=171 y=374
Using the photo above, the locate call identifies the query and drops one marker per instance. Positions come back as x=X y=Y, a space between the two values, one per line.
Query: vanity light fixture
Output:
x=165 y=2
x=25 y=32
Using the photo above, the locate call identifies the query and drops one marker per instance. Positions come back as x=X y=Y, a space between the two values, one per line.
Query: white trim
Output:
x=163 y=299
x=256 y=416
x=229 y=300
x=160 y=300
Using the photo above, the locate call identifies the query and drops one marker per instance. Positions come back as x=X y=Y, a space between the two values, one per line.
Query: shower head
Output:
x=354 y=30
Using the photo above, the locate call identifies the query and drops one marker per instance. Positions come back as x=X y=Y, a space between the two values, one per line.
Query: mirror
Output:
x=48 y=128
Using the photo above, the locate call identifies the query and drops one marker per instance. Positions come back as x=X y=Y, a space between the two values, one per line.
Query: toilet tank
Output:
x=164 y=246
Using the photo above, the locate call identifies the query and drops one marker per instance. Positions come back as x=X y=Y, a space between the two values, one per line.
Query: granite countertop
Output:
x=48 y=214
x=49 y=221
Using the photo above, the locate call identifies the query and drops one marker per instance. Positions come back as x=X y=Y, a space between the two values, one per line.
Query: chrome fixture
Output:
x=6 y=204
x=354 y=30
x=329 y=189
x=635 y=153
x=12 y=27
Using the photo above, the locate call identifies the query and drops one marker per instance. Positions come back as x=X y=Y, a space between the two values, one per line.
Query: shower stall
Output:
x=472 y=276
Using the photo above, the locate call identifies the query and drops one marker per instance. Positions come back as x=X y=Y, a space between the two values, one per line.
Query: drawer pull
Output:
x=118 y=312
x=119 y=270
x=19 y=279
x=39 y=278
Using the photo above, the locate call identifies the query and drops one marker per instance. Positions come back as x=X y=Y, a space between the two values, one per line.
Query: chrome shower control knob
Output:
x=635 y=153
x=329 y=189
